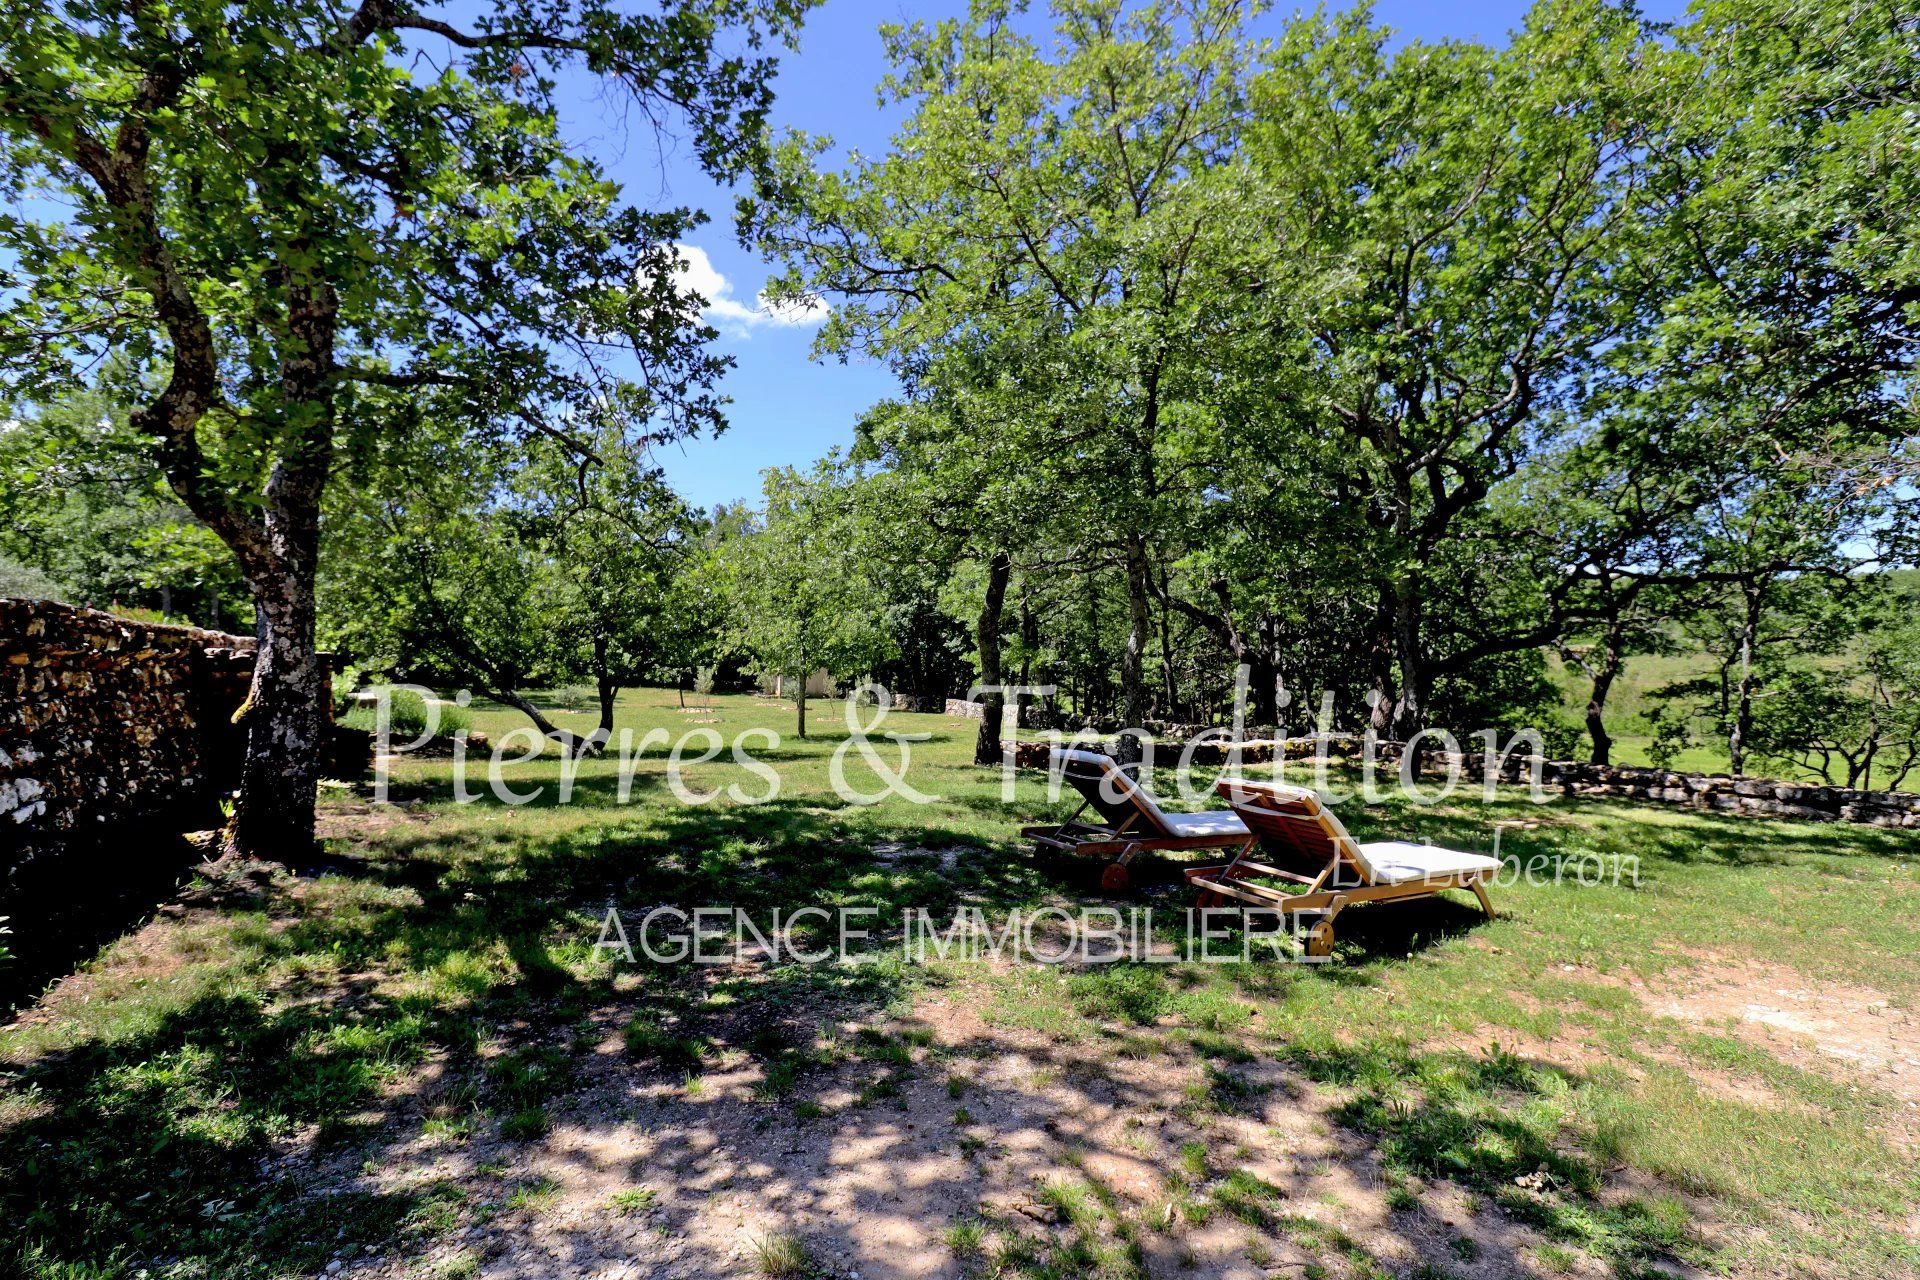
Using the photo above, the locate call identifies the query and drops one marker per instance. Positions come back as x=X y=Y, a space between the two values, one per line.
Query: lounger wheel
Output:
x=1115 y=878
x=1320 y=939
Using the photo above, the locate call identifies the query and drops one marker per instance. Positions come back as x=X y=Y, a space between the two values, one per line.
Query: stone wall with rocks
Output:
x=1714 y=793
x=976 y=710
x=110 y=728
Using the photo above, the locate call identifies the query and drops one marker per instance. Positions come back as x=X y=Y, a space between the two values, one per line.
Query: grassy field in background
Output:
x=436 y=980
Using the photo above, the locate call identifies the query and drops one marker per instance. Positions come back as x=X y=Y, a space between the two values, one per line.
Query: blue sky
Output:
x=789 y=409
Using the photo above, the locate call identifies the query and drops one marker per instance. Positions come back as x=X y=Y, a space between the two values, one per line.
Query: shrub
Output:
x=408 y=716
x=1560 y=738
x=346 y=682
x=1671 y=736
x=575 y=697
x=25 y=582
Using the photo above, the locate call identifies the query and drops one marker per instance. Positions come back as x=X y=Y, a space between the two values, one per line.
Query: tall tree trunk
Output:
x=800 y=706
x=1604 y=675
x=1263 y=677
x=609 y=694
x=275 y=536
x=1133 y=693
x=1166 y=652
x=607 y=690
x=1740 y=734
x=1029 y=642
x=286 y=710
x=284 y=720
x=986 y=637
x=1410 y=709
x=1380 y=665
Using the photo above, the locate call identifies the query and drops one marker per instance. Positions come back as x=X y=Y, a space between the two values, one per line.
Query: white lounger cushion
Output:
x=1397 y=861
x=1222 y=822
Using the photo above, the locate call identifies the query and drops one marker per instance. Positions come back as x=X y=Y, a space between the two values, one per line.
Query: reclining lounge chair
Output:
x=1302 y=842
x=1133 y=824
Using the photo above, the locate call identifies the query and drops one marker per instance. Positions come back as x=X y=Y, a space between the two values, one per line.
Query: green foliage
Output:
x=1852 y=718
x=409 y=716
x=25 y=582
x=1378 y=367
x=509 y=569
x=86 y=515
x=1671 y=736
x=797 y=587
x=316 y=236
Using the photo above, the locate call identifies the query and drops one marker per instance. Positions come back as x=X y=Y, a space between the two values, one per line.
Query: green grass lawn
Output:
x=437 y=980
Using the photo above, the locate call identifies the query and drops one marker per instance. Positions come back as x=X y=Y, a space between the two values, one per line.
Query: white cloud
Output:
x=730 y=315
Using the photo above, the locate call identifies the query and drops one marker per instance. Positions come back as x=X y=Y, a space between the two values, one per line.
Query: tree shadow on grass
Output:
x=61 y=909
x=1033 y=1154
x=1655 y=833
x=156 y=1139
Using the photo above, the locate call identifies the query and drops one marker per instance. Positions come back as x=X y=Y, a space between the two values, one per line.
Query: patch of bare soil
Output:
x=1826 y=1027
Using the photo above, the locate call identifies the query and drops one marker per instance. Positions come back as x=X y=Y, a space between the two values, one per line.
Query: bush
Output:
x=28 y=583
x=1671 y=736
x=575 y=697
x=408 y=716
x=1561 y=738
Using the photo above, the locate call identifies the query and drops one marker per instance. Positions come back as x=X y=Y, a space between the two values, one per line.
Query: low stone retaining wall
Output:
x=978 y=710
x=1714 y=793
x=1717 y=793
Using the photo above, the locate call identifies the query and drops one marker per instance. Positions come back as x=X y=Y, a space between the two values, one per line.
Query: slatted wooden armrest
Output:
x=1243 y=870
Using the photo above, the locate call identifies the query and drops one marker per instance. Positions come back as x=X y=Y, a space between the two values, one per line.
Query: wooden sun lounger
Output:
x=1133 y=824
x=1303 y=842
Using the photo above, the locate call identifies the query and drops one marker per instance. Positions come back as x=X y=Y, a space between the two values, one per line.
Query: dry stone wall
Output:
x=971 y=710
x=111 y=728
x=1717 y=793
